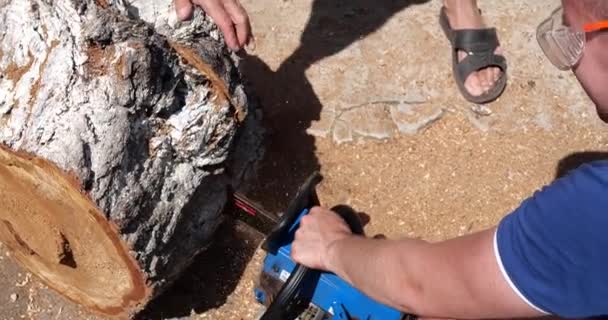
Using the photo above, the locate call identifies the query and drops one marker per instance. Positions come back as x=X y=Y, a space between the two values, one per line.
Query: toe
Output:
x=482 y=81
x=496 y=74
x=473 y=84
x=488 y=79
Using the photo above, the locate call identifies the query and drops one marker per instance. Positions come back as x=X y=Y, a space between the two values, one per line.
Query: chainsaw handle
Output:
x=351 y=217
x=297 y=291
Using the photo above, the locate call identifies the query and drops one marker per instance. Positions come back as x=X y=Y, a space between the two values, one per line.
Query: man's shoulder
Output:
x=555 y=241
x=583 y=188
x=595 y=169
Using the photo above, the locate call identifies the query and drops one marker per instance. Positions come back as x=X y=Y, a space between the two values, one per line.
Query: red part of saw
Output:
x=252 y=214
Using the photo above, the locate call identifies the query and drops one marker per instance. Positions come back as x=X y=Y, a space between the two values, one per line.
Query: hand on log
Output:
x=229 y=15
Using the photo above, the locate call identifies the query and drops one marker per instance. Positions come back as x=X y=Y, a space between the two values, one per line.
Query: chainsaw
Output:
x=292 y=291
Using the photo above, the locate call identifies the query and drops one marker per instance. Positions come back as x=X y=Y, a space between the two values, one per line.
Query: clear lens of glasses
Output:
x=562 y=45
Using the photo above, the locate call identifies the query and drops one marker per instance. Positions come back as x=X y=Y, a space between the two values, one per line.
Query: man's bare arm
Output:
x=457 y=278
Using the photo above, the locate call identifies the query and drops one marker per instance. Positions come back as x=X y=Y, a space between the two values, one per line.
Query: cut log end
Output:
x=57 y=232
x=134 y=127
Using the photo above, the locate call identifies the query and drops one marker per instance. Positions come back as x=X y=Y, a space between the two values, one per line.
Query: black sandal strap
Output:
x=479 y=44
x=474 y=62
x=476 y=40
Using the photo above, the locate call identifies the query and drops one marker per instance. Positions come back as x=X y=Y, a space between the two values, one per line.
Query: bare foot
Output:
x=464 y=14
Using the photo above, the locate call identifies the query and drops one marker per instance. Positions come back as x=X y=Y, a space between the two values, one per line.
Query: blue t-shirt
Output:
x=553 y=250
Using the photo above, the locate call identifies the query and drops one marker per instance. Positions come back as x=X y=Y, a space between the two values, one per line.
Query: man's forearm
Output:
x=458 y=278
x=375 y=267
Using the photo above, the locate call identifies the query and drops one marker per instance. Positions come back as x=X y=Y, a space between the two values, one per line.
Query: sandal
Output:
x=479 y=44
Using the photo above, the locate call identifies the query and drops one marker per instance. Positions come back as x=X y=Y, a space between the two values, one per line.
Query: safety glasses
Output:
x=564 y=45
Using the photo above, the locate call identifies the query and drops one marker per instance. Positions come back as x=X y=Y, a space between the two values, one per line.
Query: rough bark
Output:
x=148 y=115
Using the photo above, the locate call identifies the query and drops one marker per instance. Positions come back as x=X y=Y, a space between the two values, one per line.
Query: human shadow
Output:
x=575 y=160
x=214 y=274
x=288 y=99
x=289 y=104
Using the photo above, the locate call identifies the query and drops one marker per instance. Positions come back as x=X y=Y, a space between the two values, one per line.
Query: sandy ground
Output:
x=363 y=92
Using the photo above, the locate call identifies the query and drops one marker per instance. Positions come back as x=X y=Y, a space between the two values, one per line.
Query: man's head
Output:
x=592 y=69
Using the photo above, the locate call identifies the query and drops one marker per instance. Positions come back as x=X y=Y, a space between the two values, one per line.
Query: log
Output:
x=120 y=132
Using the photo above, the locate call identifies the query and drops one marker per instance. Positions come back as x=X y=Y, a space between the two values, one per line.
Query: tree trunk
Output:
x=120 y=130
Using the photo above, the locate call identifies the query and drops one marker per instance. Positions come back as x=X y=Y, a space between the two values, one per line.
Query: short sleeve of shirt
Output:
x=553 y=249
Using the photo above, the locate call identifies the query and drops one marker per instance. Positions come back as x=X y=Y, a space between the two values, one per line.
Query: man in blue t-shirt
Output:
x=548 y=257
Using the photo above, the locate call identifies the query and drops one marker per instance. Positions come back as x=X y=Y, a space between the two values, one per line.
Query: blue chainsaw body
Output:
x=330 y=293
